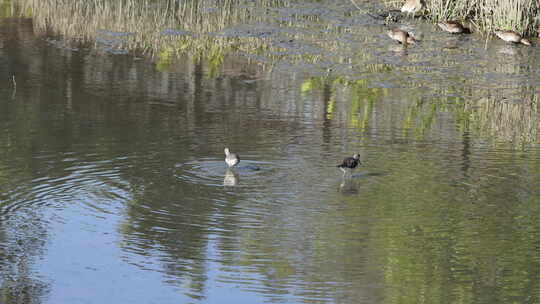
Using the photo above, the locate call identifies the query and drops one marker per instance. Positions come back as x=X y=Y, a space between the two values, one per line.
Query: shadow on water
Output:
x=248 y=168
x=367 y=174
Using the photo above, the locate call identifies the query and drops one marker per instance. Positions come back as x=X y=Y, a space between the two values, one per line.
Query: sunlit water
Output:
x=113 y=187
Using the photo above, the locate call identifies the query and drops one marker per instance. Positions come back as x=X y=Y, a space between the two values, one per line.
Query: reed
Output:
x=518 y=15
x=202 y=29
x=487 y=15
x=137 y=25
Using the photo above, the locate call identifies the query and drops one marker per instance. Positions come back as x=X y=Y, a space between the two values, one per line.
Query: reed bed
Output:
x=202 y=29
x=518 y=15
x=136 y=25
x=487 y=15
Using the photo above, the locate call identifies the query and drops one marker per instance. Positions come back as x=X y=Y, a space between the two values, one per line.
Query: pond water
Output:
x=114 y=189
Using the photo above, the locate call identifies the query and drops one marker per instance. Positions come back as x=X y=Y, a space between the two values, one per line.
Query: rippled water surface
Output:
x=114 y=189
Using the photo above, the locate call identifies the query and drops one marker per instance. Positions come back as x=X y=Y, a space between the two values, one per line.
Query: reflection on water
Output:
x=348 y=186
x=113 y=186
x=231 y=178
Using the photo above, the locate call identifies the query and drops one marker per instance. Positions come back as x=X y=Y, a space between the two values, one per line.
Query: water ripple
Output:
x=66 y=180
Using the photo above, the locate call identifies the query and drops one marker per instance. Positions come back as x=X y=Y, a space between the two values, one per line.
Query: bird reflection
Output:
x=348 y=186
x=231 y=178
x=451 y=44
x=508 y=50
x=398 y=50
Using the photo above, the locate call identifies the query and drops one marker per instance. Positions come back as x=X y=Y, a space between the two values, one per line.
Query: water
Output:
x=113 y=187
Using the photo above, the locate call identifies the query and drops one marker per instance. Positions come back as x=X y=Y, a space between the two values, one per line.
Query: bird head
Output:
x=525 y=41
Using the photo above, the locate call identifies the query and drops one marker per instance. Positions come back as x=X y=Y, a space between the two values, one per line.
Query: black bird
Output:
x=350 y=163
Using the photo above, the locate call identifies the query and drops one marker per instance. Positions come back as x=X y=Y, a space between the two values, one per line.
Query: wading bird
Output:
x=349 y=163
x=232 y=159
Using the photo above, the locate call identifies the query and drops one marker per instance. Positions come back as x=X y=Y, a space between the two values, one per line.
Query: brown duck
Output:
x=453 y=27
x=511 y=36
x=401 y=36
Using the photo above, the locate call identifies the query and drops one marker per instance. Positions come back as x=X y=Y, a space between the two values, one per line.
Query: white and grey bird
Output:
x=350 y=163
x=232 y=159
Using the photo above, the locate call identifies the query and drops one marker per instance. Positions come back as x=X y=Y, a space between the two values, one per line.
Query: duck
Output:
x=349 y=163
x=232 y=159
x=512 y=36
x=412 y=6
x=453 y=27
x=401 y=36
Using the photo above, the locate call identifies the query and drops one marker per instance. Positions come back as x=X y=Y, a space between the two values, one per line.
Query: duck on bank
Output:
x=453 y=27
x=512 y=36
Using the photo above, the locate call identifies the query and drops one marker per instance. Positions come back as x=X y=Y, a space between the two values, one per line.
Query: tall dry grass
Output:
x=212 y=28
x=518 y=15
x=487 y=15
